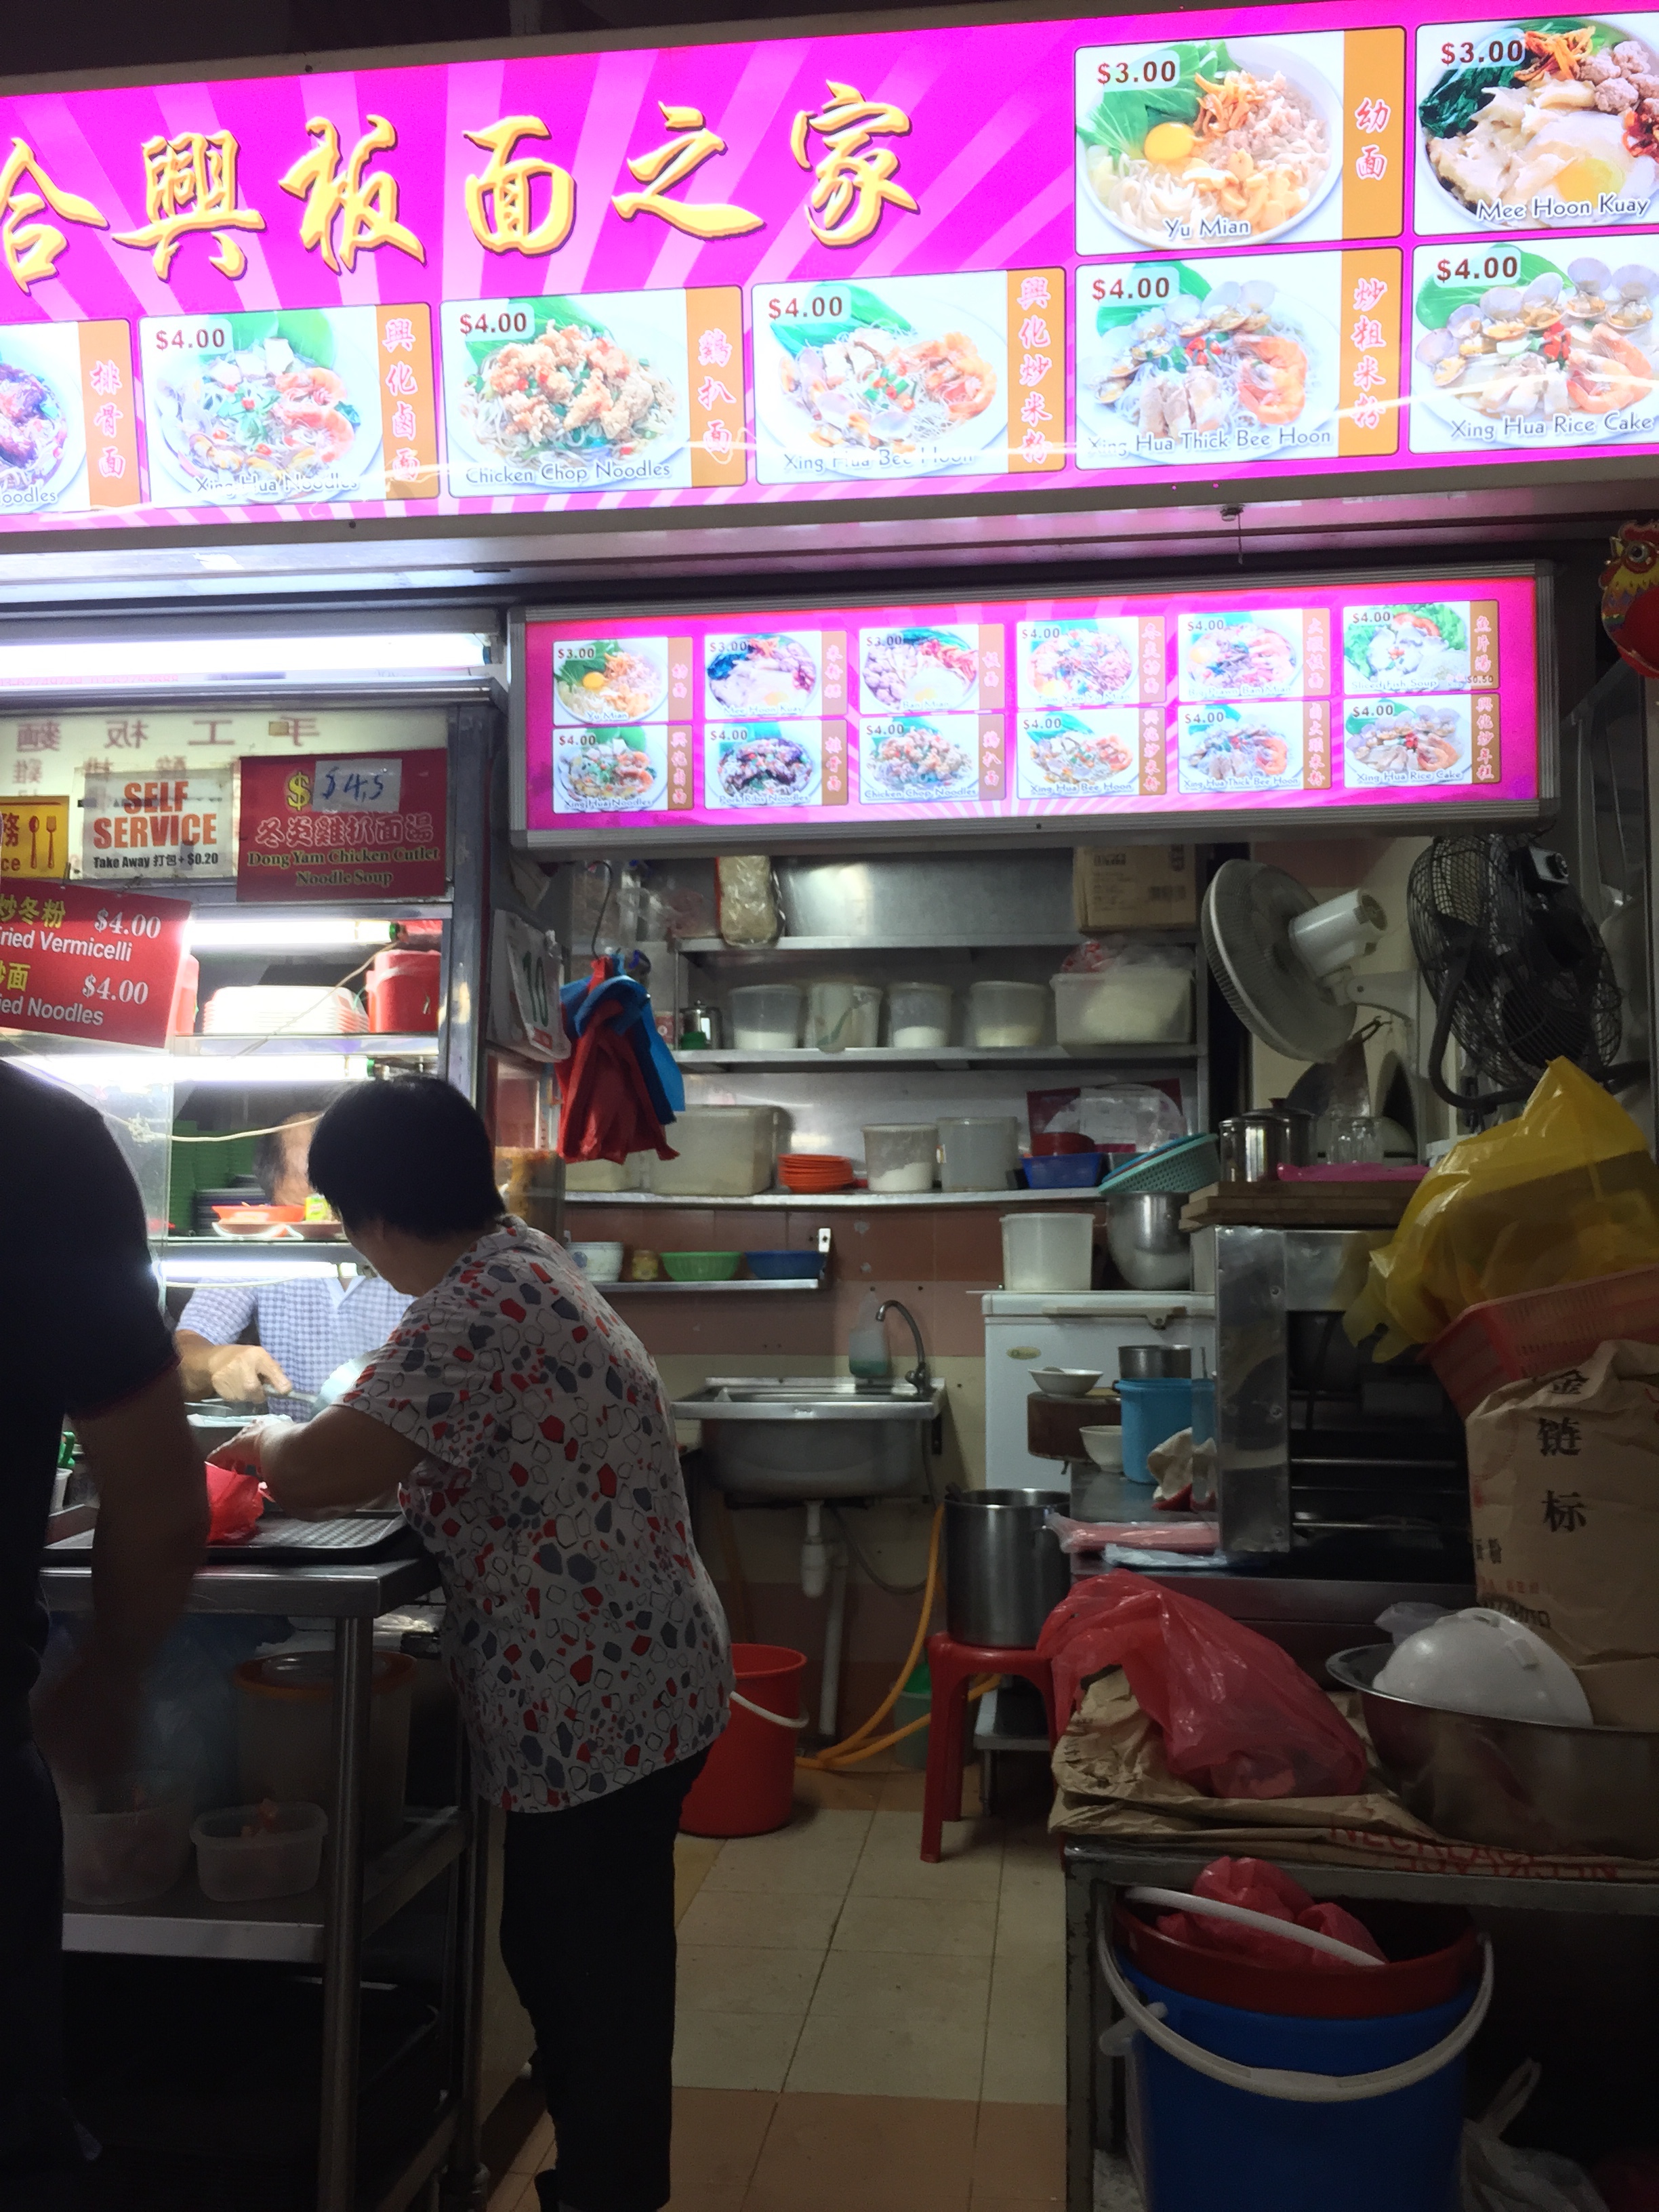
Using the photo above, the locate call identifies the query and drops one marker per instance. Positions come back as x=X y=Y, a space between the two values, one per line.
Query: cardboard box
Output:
x=1134 y=886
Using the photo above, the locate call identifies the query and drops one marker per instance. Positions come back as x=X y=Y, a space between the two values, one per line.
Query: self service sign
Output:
x=164 y=829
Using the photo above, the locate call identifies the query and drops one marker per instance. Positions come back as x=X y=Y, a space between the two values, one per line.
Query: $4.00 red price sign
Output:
x=76 y=961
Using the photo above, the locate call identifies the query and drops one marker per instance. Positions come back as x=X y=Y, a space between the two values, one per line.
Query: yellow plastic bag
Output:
x=1566 y=1192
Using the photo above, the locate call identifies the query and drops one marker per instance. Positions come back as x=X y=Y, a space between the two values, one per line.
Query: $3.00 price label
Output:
x=75 y=963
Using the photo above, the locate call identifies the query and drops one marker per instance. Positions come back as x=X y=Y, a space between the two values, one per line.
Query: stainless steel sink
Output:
x=815 y=1436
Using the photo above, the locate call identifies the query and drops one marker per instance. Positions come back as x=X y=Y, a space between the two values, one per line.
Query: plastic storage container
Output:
x=724 y=1151
x=1124 y=1006
x=766 y=1018
x=843 y=1017
x=978 y=1151
x=402 y=987
x=918 y=1016
x=1000 y=1015
x=1153 y=1410
x=282 y=1857
x=1047 y=1251
x=1539 y=1332
x=285 y=1735
x=130 y=1856
x=900 y=1155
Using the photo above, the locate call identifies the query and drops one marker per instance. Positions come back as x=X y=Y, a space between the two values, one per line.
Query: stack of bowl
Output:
x=814 y=1171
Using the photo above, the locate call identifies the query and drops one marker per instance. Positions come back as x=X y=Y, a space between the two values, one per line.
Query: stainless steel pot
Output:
x=1256 y=1145
x=1524 y=1785
x=1003 y=1571
x=1153 y=1362
x=1147 y=1244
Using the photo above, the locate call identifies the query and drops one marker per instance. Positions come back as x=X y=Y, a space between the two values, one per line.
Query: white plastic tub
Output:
x=1047 y=1251
x=978 y=1151
x=1124 y=1006
x=132 y=1855
x=919 y=1016
x=766 y=1018
x=900 y=1156
x=285 y=1735
x=1000 y=1015
x=723 y=1151
x=843 y=1017
x=247 y=1851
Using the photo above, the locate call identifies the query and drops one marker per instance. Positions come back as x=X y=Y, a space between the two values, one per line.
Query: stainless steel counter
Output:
x=333 y=1589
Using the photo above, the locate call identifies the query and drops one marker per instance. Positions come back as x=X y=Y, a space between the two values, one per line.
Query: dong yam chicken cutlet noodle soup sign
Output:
x=1335 y=695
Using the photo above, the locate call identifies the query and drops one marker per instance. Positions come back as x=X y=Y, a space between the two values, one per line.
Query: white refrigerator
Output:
x=1027 y=1329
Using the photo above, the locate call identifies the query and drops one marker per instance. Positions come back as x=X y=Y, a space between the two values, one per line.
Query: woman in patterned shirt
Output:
x=527 y=1431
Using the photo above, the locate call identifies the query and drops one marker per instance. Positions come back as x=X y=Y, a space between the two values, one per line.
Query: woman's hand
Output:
x=339 y=1460
x=250 y=1449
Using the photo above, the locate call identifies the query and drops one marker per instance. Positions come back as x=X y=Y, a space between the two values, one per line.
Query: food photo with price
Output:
x=79 y=962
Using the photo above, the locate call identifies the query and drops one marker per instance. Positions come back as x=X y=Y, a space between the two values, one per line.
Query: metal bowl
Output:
x=1145 y=1238
x=1524 y=1785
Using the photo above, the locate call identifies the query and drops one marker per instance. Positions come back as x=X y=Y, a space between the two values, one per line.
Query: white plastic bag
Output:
x=1498 y=2177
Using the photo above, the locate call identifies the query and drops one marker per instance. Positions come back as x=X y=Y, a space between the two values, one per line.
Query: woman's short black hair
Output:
x=411 y=1154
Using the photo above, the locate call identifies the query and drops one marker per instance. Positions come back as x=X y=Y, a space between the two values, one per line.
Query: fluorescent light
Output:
x=260 y=662
x=253 y=1267
x=213 y=933
x=137 y=1071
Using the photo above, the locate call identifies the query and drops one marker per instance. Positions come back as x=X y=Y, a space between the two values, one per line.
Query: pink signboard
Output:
x=1358 y=698
x=1329 y=242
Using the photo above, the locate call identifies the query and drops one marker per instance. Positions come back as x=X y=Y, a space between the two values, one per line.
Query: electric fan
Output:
x=1284 y=959
x=1519 y=973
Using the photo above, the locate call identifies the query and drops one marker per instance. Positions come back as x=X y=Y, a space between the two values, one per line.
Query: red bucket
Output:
x=748 y=1785
x=1431 y=1952
x=402 y=986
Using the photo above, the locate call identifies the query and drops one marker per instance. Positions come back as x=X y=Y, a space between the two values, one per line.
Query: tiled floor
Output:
x=858 y=2030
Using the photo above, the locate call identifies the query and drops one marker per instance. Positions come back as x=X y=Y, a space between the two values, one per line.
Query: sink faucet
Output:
x=919 y=1378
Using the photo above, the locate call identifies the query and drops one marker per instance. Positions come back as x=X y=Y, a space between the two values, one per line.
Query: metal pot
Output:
x=1004 y=1570
x=1154 y=1363
x=1146 y=1242
x=1523 y=1785
x=1256 y=1145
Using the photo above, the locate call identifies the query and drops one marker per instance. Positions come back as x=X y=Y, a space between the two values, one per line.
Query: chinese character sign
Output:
x=857 y=262
x=91 y=961
x=371 y=825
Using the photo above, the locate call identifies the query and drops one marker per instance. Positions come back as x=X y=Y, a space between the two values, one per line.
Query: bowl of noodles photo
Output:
x=278 y=407
x=41 y=444
x=568 y=397
x=1241 y=144
x=614 y=774
x=1549 y=123
x=609 y=679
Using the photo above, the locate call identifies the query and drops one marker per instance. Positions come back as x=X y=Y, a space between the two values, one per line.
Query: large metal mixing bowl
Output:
x=1524 y=1785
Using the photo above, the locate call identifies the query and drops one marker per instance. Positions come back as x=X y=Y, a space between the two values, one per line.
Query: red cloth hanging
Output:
x=607 y=1111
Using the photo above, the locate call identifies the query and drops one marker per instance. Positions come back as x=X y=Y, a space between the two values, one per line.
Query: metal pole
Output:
x=342 y=1936
x=466 y=2183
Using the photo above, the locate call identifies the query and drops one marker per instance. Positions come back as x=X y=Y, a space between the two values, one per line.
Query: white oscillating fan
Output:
x=1285 y=959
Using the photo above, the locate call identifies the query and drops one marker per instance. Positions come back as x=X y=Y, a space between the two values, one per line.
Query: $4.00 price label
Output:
x=76 y=962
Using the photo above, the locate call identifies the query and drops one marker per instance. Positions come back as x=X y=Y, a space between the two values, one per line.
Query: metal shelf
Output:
x=185 y=1924
x=949 y=1055
x=749 y=1283
x=929 y=941
x=423 y=1046
x=328 y=1251
x=842 y=1201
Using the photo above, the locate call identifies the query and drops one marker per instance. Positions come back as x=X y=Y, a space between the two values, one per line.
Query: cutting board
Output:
x=1298 y=1206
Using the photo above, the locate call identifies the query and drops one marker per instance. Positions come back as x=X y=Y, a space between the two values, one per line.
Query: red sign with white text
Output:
x=370 y=825
x=77 y=960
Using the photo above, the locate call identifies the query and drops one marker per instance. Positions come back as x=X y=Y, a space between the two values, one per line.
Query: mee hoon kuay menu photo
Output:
x=1119 y=255
x=1345 y=698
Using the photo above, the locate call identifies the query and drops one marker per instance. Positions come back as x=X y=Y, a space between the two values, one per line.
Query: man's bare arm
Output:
x=242 y=1373
x=152 y=1525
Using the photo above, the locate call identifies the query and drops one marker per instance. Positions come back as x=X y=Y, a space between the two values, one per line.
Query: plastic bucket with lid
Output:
x=285 y=1735
x=1271 y=2112
x=403 y=986
x=1154 y=1410
x=748 y=1785
x=1432 y=1953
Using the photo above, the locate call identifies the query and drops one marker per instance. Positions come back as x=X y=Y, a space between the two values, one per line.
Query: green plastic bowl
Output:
x=701 y=1267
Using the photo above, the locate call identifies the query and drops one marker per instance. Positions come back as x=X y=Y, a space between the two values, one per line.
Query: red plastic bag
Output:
x=1629 y=2180
x=1260 y=1887
x=235 y=1504
x=1238 y=1716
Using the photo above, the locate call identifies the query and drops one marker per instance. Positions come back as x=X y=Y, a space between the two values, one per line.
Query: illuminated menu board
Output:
x=1363 y=248
x=1359 y=699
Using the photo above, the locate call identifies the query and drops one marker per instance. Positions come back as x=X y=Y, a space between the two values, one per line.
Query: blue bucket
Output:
x=1198 y=2144
x=1154 y=1408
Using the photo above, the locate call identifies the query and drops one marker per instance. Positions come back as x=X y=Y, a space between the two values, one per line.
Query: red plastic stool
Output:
x=951 y=1667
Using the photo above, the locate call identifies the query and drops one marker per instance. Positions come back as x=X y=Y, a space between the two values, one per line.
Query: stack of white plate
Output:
x=288 y=1009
